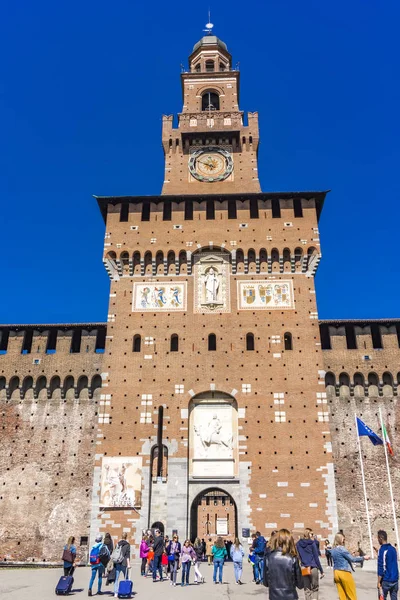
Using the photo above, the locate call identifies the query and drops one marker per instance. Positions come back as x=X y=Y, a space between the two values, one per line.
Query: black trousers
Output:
x=143 y=567
x=69 y=571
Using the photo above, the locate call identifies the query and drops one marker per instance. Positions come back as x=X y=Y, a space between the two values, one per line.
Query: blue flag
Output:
x=363 y=429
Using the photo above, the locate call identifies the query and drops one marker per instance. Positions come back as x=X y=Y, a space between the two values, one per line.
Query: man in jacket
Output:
x=158 y=547
x=388 y=571
x=308 y=553
x=259 y=545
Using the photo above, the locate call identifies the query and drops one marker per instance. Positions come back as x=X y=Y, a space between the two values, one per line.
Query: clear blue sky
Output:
x=83 y=86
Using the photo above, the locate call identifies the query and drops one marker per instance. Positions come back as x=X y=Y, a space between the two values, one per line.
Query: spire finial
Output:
x=209 y=25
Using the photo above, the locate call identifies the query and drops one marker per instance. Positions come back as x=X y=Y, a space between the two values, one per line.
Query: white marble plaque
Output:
x=265 y=295
x=159 y=297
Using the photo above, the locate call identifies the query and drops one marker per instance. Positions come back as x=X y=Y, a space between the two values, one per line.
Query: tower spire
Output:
x=209 y=25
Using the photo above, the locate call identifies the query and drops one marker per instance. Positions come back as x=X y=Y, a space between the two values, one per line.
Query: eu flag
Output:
x=363 y=429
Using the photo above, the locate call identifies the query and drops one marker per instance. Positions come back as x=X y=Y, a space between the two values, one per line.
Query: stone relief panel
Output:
x=121 y=482
x=213 y=440
x=264 y=294
x=156 y=297
x=211 y=288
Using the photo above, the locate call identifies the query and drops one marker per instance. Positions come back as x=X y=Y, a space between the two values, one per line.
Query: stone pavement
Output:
x=39 y=584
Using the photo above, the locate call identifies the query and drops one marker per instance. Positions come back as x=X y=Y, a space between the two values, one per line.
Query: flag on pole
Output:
x=363 y=429
x=387 y=441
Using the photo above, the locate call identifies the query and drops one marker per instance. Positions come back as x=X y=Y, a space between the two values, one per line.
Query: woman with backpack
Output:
x=121 y=558
x=282 y=573
x=198 y=549
x=237 y=554
x=96 y=565
x=69 y=557
x=219 y=553
x=174 y=552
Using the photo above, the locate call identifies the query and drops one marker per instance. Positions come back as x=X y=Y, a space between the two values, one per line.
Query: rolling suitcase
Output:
x=125 y=589
x=64 y=586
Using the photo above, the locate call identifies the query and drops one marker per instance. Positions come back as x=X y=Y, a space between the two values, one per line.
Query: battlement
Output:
x=364 y=335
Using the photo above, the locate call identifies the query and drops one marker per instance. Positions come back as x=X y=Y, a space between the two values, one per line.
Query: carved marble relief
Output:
x=265 y=294
x=211 y=288
x=157 y=297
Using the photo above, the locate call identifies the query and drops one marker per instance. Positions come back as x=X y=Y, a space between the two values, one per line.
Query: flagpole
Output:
x=364 y=488
x=396 y=530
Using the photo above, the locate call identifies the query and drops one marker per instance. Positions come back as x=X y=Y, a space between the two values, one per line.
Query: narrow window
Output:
x=276 y=208
x=146 y=211
x=222 y=66
x=232 y=209
x=51 y=341
x=76 y=341
x=5 y=334
x=167 y=211
x=376 y=336
x=174 y=346
x=124 y=212
x=212 y=342
x=297 y=207
x=100 y=341
x=210 y=210
x=137 y=340
x=210 y=101
x=197 y=68
x=325 y=337
x=209 y=65
x=27 y=344
x=253 y=208
x=188 y=210
x=288 y=341
x=351 y=339
x=249 y=341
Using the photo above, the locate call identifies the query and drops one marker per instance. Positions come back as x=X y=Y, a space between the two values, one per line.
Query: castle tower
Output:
x=213 y=409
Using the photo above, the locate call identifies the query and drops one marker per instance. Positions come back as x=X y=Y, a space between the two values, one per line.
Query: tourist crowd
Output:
x=280 y=564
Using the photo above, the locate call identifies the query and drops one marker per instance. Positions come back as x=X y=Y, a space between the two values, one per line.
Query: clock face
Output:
x=210 y=164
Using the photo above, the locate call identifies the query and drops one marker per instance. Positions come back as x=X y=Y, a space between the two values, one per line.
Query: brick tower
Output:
x=213 y=408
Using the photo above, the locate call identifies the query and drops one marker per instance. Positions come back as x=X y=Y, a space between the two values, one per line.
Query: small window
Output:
x=250 y=341
x=124 y=212
x=198 y=68
x=222 y=66
x=137 y=342
x=84 y=540
x=212 y=342
x=232 y=210
x=288 y=341
x=167 y=211
x=174 y=347
x=210 y=210
x=146 y=211
x=210 y=66
x=210 y=101
x=188 y=210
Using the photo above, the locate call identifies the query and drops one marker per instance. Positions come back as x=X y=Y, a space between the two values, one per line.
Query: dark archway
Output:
x=213 y=512
x=158 y=525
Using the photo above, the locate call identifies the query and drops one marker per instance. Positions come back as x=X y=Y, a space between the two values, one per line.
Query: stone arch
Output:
x=41 y=387
x=55 y=387
x=27 y=387
x=209 y=513
x=160 y=262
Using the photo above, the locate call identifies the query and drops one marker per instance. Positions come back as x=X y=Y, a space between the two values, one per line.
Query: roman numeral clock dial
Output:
x=210 y=164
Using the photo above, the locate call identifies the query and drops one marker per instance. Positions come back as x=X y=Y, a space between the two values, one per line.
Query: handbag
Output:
x=305 y=571
x=68 y=556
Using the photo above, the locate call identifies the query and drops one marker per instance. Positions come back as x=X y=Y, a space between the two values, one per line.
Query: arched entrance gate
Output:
x=213 y=512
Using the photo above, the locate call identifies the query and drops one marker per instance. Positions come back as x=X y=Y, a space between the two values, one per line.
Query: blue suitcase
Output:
x=125 y=589
x=64 y=586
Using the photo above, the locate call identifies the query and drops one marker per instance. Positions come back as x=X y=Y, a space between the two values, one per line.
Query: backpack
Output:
x=94 y=558
x=104 y=555
x=118 y=555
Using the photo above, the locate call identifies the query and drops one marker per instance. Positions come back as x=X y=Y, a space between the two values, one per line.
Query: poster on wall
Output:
x=268 y=295
x=121 y=482
x=222 y=526
x=159 y=297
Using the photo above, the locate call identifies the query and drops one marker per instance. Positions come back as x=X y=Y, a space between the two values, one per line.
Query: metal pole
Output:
x=365 y=489
x=396 y=530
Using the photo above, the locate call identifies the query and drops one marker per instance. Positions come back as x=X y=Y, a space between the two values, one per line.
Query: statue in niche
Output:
x=212 y=434
x=211 y=283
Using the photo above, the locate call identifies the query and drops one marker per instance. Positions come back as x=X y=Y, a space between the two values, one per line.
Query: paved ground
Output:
x=39 y=584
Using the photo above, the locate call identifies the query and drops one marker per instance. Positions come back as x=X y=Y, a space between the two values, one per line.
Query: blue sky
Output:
x=83 y=86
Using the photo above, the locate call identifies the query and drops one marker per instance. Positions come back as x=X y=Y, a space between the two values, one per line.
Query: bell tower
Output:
x=212 y=150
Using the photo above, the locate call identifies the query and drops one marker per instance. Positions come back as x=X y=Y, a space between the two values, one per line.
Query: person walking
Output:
x=143 y=552
x=388 y=570
x=203 y=543
x=282 y=573
x=328 y=548
x=310 y=563
x=174 y=552
x=259 y=547
x=209 y=545
x=121 y=557
x=187 y=555
x=69 y=557
x=96 y=565
x=198 y=550
x=219 y=554
x=158 y=547
x=237 y=554
x=342 y=567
